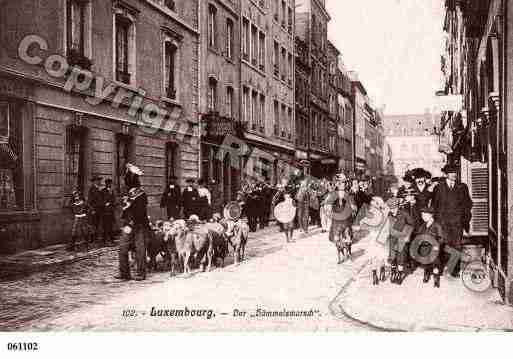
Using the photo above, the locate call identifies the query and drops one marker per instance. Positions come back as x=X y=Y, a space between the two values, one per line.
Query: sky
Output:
x=394 y=45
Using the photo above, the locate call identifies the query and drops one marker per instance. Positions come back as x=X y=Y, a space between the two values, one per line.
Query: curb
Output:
x=13 y=270
x=385 y=325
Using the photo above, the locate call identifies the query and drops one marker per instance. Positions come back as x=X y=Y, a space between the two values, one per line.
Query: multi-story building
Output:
x=475 y=63
x=267 y=81
x=345 y=120
x=220 y=92
x=363 y=113
x=302 y=96
x=413 y=143
x=312 y=23
x=60 y=126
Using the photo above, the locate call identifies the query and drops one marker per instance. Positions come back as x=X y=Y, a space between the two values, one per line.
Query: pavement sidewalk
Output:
x=415 y=306
x=28 y=262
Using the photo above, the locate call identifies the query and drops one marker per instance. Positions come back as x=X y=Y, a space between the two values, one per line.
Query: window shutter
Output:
x=479 y=192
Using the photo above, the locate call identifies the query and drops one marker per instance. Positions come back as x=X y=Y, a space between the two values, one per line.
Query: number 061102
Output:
x=22 y=346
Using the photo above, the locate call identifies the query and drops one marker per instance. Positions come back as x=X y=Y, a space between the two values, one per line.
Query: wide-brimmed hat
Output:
x=427 y=209
x=96 y=178
x=189 y=180
x=409 y=177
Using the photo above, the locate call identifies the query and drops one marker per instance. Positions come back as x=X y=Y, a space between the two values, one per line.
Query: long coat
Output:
x=171 y=201
x=190 y=201
x=422 y=199
x=453 y=210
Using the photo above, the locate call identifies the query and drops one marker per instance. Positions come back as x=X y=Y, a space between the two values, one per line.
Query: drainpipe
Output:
x=199 y=89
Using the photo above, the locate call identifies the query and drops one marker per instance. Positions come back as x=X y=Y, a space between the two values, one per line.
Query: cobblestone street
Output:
x=84 y=295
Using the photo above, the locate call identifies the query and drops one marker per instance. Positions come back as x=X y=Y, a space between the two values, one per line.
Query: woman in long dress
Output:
x=375 y=226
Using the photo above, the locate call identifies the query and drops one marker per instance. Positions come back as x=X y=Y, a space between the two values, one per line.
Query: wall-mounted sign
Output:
x=449 y=103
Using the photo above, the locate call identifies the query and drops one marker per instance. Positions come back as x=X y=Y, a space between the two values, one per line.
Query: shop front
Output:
x=222 y=158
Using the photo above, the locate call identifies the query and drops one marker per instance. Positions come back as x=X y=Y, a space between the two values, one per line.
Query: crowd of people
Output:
x=436 y=209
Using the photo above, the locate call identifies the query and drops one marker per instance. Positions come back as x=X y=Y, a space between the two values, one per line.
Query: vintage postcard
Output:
x=255 y=166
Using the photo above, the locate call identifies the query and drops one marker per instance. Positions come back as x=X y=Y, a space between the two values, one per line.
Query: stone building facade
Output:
x=55 y=137
x=267 y=83
x=220 y=94
x=311 y=28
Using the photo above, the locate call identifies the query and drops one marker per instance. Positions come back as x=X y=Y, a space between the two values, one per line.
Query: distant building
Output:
x=413 y=143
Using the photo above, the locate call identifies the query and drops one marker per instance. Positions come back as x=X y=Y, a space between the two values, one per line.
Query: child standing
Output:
x=431 y=237
x=81 y=229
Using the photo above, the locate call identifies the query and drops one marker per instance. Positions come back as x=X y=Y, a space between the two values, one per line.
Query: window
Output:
x=276 y=118
x=229 y=101
x=245 y=39
x=254 y=45
x=171 y=150
x=125 y=50
x=291 y=72
x=277 y=10
x=276 y=59
x=229 y=38
x=212 y=94
x=212 y=11
x=284 y=122
x=314 y=30
x=255 y=118
x=283 y=14
x=262 y=114
x=284 y=63
x=261 y=49
x=169 y=70
x=170 y=4
x=74 y=159
x=291 y=20
x=76 y=26
x=290 y=123
x=124 y=145
x=12 y=195
x=245 y=104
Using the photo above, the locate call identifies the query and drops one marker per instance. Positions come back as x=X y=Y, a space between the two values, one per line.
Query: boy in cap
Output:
x=429 y=245
x=81 y=229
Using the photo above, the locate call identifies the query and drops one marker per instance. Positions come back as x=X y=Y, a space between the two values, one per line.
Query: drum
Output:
x=232 y=211
x=284 y=212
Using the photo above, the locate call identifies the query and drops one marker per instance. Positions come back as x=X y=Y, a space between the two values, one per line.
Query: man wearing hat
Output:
x=190 y=197
x=95 y=202
x=109 y=206
x=452 y=205
x=134 y=234
x=363 y=195
x=402 y=225
x=172 y=199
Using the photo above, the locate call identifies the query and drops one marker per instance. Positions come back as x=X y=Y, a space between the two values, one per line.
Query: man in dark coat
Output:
x=172 y=199
x=363 y=195
x=253 y=208
x=190 y=198
x=134 y=234
x=109 y=206
x=452 y=205
x=216 y=198
x=95 y=203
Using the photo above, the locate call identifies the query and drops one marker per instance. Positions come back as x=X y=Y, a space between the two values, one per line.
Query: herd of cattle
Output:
x=183 y=245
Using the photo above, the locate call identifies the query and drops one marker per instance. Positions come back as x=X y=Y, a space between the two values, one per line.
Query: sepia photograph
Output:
x=242 y=166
